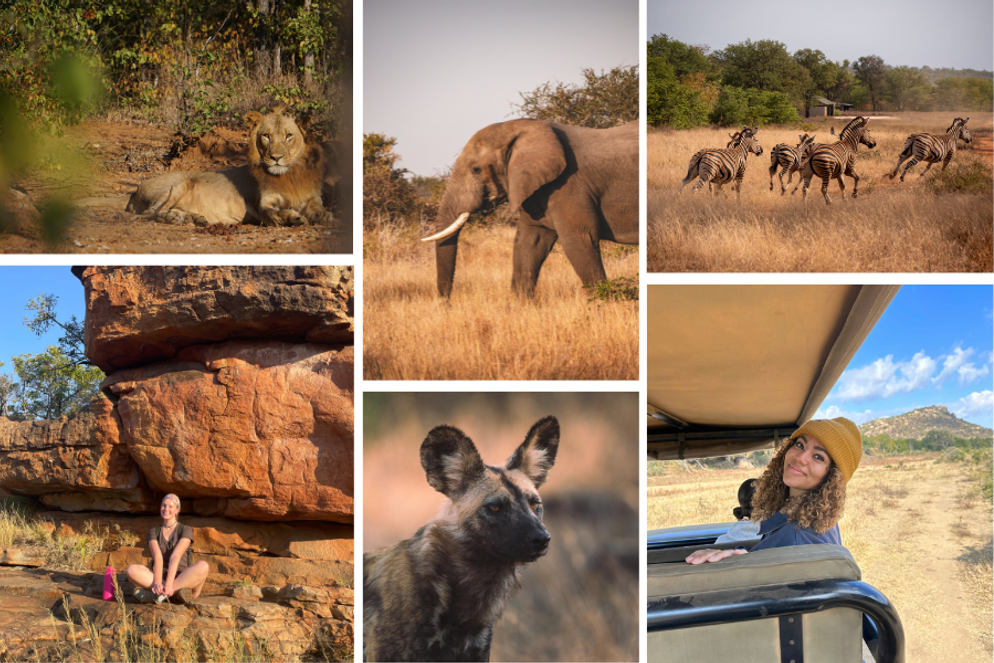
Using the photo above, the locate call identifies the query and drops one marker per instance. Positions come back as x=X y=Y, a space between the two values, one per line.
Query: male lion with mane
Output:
x=280 y=186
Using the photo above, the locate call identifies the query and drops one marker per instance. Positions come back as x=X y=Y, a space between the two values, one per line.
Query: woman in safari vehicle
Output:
x=801 y=495
x=172 y=574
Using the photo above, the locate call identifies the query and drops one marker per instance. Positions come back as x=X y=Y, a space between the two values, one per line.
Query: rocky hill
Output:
x=916 y=424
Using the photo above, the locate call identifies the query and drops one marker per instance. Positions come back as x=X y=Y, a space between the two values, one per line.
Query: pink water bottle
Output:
x=109 y=584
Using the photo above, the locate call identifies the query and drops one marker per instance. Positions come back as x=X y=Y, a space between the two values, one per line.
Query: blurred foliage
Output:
x=195 y=64
x=604 y=100
x=689 y=86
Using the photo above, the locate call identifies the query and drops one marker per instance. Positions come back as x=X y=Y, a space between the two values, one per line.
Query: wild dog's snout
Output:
x=540 y=540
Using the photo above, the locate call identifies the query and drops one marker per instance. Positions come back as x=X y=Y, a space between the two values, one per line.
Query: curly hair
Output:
x=819 y=508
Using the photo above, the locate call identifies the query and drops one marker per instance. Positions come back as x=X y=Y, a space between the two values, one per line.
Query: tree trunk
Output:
x=308 y=55
x=262 y=38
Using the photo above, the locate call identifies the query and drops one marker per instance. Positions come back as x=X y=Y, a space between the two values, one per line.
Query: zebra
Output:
x=931 y=148
x=789 y=159
x=723 y=166
x=837 y=159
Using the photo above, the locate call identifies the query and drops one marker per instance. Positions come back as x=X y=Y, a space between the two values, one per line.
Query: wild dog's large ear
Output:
x=537 y=453
x=451 y=460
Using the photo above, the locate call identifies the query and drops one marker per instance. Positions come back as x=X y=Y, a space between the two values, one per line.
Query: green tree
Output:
x=824 y=75
x=72 y=343
x=763 y=65
x=685 y=60
x=603 y=100
x=671 y=103
x=386 y=193
x=908 y=88
x=52 y=386
x=937 y=439
x=736 y=107
x=872 y=73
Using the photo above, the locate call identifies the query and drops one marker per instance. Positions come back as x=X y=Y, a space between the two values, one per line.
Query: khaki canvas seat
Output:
x=829 y=636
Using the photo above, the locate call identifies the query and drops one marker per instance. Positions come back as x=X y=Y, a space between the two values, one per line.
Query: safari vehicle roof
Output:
x=732 y=368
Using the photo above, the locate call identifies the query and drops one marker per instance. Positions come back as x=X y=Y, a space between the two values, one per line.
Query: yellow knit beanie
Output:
x=840 y=437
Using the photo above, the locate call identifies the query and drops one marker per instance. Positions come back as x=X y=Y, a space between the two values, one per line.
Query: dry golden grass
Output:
x=892 y=227
x=485 y=332
x=579 y=602
x=908 y=528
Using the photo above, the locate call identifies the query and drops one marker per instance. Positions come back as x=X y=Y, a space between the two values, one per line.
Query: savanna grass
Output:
x=942 y=223
x=485 y=331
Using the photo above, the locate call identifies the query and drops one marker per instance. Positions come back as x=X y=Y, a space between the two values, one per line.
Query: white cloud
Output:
x=977 y=403
x=833 y=411
x=957 y=364
x=885 y=377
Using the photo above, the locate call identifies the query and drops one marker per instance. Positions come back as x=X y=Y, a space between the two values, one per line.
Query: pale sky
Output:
x=955 y=33
x=437 y=71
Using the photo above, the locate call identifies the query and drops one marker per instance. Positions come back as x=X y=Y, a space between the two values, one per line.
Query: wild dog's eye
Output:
x=477 y=170
x=535 y=505
x=494 y=507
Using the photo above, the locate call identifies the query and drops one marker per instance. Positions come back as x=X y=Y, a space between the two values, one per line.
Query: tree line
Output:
x=194 y=64
x=760 y=82
x=54 y=383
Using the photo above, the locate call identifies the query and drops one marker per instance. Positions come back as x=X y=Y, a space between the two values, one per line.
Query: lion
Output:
x=280 y=186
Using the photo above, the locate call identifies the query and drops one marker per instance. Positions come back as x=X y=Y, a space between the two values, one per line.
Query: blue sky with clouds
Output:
x=931 y=347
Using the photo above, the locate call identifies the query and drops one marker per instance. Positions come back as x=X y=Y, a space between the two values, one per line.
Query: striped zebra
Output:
x=837 y=159
x=723 y=166
x=789 y=160
x=931 y=148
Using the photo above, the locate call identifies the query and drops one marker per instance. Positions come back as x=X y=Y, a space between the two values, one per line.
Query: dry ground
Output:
x=579 y=602
x=891 y=227
x=108 y=160
x=918 y=529
x=485 y=332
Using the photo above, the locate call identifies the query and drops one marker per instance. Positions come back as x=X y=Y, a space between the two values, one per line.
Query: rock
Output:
x=266 y=427
x=139 y=315
x=82 y=453
x=22 y=556
x=331 y=542
x=35 y=625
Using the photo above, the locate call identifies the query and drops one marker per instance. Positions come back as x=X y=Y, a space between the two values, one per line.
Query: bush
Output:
x=737 y=107
x=952 y=455
x=959 y=178
x=670 y=102
x=605 y=100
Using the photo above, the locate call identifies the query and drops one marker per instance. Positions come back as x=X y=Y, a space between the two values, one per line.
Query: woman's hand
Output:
x=157 y=588
x=711 y=555
x=168 y=591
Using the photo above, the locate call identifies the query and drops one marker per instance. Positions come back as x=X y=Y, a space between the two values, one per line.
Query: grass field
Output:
x=485 y=332
x=942 y=223
x=919 y=529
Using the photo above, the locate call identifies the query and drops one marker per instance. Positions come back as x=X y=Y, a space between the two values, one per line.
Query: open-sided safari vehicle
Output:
x=733 y=369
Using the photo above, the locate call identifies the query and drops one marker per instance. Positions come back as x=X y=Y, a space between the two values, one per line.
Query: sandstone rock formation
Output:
x=232 y=387
x=139 y=315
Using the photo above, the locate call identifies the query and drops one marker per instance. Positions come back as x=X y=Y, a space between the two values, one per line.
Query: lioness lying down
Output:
x=280 y=186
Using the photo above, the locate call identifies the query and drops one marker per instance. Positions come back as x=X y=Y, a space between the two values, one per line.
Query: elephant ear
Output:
x=537 y=158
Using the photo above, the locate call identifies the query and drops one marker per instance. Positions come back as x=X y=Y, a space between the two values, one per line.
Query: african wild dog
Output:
x=436 y=596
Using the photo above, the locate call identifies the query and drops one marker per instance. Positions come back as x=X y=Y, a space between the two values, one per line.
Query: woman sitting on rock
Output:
x=170 y=544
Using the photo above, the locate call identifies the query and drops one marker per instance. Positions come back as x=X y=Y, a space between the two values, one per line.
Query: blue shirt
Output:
x=777 y=533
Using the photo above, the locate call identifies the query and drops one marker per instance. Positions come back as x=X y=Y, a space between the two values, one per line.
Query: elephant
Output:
x=567 y=183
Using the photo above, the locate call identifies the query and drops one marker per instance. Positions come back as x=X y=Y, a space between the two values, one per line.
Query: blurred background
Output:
x=579 y=602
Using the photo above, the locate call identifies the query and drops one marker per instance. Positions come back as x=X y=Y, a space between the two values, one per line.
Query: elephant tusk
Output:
x=451 y=230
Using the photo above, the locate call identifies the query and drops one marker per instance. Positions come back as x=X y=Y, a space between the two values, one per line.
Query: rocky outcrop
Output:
x=72 y=453
x=140 y=315
x=250 y=430
x=53 y=616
